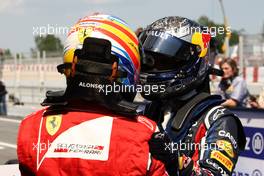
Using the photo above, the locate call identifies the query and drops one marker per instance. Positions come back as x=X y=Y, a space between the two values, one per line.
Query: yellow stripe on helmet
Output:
x=132 y=45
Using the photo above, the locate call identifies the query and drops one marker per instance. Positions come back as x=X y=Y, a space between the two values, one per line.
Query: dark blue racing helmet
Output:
x=175 y=50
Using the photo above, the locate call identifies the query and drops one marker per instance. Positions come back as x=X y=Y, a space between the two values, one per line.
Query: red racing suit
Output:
x=75 y=141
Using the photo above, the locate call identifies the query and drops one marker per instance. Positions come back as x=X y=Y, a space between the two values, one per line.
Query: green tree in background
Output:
x=5 y=54
x=219 y=38
x=48 y=43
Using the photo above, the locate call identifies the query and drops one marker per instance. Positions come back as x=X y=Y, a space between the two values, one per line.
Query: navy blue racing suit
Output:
x=208 y=142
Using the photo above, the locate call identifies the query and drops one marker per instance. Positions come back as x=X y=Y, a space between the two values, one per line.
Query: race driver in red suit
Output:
x=86 y=130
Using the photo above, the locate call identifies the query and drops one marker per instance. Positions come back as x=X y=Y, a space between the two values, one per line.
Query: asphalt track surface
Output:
x=9 y=128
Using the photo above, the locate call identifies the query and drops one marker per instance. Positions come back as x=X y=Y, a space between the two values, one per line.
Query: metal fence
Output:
x=29 y=78
x=28 y=75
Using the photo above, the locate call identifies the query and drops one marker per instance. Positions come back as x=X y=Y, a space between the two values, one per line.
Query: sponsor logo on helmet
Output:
x=53 y=123
x=206 y=37
x=85 y=32
x=202 y=40
x=160 y=34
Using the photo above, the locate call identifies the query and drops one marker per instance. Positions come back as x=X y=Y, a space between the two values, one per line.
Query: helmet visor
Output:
x=166 y=53
x=166 y=44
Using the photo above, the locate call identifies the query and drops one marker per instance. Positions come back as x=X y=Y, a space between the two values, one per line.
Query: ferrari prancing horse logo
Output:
x=53 y=123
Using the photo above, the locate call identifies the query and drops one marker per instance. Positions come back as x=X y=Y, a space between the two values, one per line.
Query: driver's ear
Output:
x=114 y=71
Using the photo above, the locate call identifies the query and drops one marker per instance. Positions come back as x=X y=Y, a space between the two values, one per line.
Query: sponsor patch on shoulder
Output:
x=221 y=158
x=53 y=123
x=226 y=146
